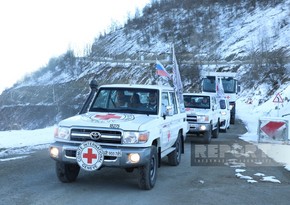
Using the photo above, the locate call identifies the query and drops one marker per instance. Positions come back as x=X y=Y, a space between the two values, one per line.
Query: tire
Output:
x=224 y=130
x=215 y=133
x=174 y=157
x=207 y=137
x=148 y=172
x=67 y=172
x=232 y=120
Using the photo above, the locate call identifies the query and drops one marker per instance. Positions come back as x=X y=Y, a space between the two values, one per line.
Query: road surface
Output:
x=32 y=180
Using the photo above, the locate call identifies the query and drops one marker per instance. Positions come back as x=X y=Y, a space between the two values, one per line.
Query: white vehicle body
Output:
x=128 y=136
x=230 y=88
x=225 y=113
x=202 y=119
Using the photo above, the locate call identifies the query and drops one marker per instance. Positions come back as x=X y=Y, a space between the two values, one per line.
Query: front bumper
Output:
x=199 y=127
x=67 y=154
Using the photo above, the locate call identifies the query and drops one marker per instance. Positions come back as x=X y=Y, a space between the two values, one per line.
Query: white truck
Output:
x=230 y=88
x=135 y=134
x=203 y=115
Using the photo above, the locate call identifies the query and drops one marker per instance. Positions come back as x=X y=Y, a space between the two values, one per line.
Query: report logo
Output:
x=229 y=154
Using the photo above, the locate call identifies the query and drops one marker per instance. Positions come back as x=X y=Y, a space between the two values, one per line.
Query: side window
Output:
x=222 y=104
x=173 y=102
x=164 y=102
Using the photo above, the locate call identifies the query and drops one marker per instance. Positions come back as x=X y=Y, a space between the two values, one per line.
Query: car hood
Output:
x=197 y=111
x=108 y=120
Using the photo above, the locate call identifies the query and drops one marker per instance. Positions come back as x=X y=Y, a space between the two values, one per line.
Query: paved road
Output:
x=32 y=180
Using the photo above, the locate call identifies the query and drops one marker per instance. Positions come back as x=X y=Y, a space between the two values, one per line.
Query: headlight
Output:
x=62 y=133
x=135 y=137
x=202 y=118
x=223 y=113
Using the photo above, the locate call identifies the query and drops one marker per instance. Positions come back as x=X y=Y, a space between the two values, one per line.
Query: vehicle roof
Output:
x=220 y=74
x=141 y=86
x=200 y=94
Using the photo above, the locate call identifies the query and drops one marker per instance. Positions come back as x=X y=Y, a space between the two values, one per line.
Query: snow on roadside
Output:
x=250 y=115
x=24 y=141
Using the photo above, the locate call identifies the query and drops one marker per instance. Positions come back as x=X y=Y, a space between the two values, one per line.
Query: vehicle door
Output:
x=176 y=118
x=228 y=109
x=166 y=134
x=215 y=110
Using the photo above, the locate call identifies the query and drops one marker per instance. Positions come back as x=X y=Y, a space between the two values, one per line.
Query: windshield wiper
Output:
x=99 y=109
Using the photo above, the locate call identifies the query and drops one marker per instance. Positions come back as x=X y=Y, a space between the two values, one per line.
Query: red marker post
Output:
x=273 y=129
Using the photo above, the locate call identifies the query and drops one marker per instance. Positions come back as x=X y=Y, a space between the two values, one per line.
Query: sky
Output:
x=33 y=31
x=18 y=144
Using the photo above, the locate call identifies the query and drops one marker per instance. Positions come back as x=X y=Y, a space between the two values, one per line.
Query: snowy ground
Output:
x=251 y=113
x=25 y=141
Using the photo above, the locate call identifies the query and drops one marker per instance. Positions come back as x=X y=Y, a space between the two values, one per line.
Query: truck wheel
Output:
x=232 y=120
x=67 y=172
x=148 y=172
x=215 y=133
x=207 y=136
x=174 y=157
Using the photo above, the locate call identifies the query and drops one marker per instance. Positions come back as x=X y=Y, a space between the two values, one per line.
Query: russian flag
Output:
x=160 y=70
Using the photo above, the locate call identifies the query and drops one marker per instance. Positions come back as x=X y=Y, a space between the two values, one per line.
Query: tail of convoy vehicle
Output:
x=230 y=87
x=124 y=126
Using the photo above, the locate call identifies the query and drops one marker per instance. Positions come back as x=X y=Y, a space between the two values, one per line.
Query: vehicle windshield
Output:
x=196 y=101
x=126 y=100
x=229 y=85
x=209 y=84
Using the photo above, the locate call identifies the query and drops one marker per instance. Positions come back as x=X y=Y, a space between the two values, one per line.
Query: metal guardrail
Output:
x=152 y=61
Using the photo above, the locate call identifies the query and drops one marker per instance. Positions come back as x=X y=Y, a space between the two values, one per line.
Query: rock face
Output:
x=201 y=31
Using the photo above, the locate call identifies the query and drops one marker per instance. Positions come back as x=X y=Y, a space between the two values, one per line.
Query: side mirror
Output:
x=168 y=111
x=239 y=88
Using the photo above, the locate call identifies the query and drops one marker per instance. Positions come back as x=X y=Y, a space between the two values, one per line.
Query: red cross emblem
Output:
x=90 y=156
x=108 y=116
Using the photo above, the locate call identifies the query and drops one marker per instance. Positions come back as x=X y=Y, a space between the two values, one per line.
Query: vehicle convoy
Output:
x=202 y=115
x=230 y=88
x=123 y=126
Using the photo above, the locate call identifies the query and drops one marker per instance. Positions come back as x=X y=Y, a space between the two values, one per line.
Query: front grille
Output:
x=191 y=118
x=107 y=136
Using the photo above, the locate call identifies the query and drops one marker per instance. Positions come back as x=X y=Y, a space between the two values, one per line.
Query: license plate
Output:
x=112 y=153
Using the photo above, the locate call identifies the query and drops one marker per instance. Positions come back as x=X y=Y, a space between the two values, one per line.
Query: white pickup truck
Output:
x=203 y=115
x=125 y=126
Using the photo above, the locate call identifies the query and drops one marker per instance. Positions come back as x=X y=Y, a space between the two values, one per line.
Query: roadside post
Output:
x=278 y=99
